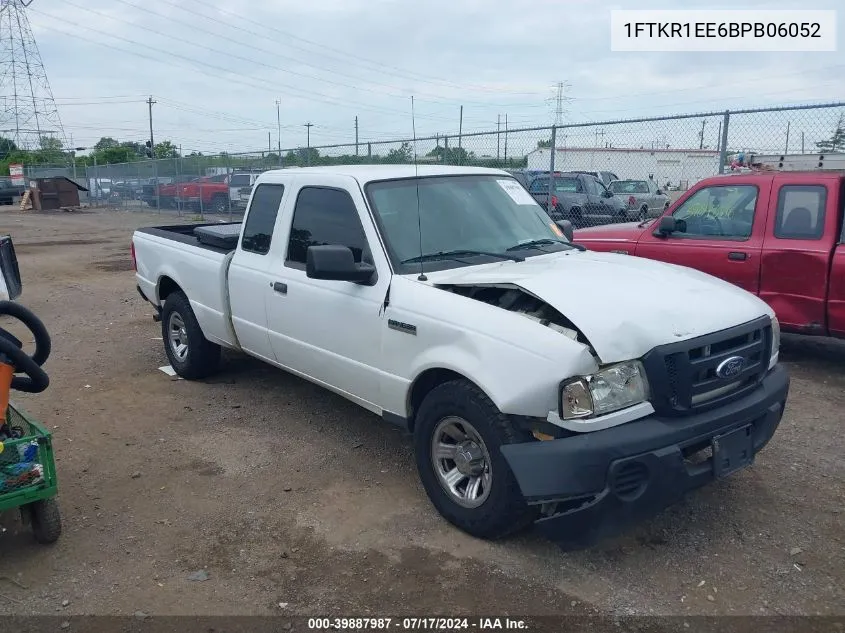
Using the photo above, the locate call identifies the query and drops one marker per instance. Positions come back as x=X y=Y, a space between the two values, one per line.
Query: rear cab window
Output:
x=801 y=212
x=257 y=233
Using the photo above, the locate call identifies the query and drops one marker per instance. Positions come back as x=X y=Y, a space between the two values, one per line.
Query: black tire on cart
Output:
x=191 y=355
x=46 y=520
x=457 y=440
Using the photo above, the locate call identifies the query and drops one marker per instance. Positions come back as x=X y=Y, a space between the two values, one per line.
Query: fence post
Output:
x=445 y=150
x=552 y=148
x=199 y=173
x=96 y=179
x=229 y=171
x=723 y=151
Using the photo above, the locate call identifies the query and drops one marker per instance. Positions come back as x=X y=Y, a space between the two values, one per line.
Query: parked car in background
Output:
x=579 y=198
x=644 y=198
x=778 y=235
x=606 y=177
x=240 y=188
x=526 y=176
x=9 y=191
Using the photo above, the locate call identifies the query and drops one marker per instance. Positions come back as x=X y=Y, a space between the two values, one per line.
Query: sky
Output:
x=216 y=68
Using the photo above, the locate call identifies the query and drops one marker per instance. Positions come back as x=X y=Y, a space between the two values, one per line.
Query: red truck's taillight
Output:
x=134 y=261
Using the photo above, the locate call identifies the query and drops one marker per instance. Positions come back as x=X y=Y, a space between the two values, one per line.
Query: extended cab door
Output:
x=836 y=292
x=721 y=231
x=801 y=235
x=329 y=331
x=251 y=271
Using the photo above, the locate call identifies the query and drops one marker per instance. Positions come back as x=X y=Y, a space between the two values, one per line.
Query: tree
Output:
x=50 y=144
x=106 y=142
x=402 y=155
x=544 y=144
x=166 y=149
x=835 y=143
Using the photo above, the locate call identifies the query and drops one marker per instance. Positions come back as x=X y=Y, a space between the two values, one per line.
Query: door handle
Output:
x=737 y=256
x=279 y=287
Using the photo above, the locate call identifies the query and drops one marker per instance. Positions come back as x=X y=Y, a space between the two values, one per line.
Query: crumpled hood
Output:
x=624 y=305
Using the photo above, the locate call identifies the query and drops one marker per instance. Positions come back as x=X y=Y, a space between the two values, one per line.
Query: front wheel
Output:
x=191 y=355
x=458 y=437
x=643 y=214
x=219 y=204
x=46 y=520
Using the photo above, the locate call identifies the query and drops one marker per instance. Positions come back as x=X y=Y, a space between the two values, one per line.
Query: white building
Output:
x=682 y=167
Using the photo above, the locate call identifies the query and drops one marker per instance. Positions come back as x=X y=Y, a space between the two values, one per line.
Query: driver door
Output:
x=725 y=224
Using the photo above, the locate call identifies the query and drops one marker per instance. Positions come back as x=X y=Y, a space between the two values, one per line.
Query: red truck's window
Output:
x=800 y=213
x=718 y=212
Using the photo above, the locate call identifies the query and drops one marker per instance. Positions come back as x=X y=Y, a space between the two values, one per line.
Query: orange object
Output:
x=7 y=372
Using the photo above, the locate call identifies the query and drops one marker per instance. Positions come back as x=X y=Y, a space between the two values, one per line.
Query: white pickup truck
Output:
x=581 y=391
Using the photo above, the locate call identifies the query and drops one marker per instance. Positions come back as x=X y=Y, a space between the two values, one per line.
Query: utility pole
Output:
x=560 y=98
x=701 y=135
x=308 y=127
x=506 y=138
x=279 y=128
x=498 y=135
x=802 y=142
x=150 y=103
x=356 y=135
x=786 y=149
x=460 y=136
x=269 y=143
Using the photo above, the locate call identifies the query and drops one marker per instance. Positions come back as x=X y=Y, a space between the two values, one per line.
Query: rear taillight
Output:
x=554 y=201
x=134 y=261
x=632 y=201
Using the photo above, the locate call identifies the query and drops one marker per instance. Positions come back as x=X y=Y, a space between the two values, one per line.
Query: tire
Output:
x=643 y=214
x=498 y=508
x=577 y=218
x=219 y=204
x=191 y=355
x=46 y=520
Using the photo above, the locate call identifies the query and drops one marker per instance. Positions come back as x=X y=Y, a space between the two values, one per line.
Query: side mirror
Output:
x=565 y=227
x=668 y=225
x=659 y=192
x=336 y=263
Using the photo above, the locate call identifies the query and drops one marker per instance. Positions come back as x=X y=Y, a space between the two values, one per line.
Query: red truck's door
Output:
x=836 y=292
x=801 y=235
x=723 y=232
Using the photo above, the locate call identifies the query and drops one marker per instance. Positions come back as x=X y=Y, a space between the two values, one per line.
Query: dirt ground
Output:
x=284 y=493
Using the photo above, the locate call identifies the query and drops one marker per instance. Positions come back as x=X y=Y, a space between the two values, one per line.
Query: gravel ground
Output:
x=283 y=493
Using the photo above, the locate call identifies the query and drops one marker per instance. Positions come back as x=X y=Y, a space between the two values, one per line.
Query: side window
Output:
x=325 y=216
x=718 y=212
x=800 y=214
x=258 y=230
x=540 y=185
x=591 y=186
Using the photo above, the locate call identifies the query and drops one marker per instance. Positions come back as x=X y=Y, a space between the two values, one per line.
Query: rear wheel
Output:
x=643 y=213
x=576 y=217
x=458 y=437
x=219 y=204
x=191 y=355
x=46 y=520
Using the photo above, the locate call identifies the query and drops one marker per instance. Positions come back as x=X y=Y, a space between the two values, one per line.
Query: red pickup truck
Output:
x=777 y=234
x=210 y=193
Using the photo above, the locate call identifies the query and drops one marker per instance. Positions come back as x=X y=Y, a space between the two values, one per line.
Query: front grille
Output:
x=684 y=377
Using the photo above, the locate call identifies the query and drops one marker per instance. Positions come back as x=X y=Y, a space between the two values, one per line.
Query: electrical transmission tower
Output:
x=559 y=99
x=28 y=113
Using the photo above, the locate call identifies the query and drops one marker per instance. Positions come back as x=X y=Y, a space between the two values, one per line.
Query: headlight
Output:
x=608 y=390
x=773 y=359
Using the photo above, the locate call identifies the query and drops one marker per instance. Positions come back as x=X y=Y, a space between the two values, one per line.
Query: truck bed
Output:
x=184 y=233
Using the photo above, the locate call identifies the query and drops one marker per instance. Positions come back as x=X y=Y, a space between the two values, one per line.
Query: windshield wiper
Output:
x=458 y=253
x=544 y=241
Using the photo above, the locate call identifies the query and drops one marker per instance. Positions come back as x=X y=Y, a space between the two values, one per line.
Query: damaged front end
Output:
x=515 y=299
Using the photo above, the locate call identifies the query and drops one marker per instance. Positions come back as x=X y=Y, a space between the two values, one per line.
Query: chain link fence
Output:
x=656 y=158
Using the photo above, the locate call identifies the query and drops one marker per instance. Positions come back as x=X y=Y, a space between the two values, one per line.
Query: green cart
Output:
x=28 y=475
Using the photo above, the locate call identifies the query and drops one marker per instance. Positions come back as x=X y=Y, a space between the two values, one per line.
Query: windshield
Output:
x=629 y=186
x=459 y=213
x=240 y=180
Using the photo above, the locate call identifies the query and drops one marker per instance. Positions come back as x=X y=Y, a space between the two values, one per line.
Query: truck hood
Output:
x=624 y=306
x=624 y=232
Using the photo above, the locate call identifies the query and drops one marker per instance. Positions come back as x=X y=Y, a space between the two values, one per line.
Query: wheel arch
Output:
x=425 y=382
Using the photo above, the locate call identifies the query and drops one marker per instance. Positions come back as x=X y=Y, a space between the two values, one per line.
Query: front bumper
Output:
x=593 y=485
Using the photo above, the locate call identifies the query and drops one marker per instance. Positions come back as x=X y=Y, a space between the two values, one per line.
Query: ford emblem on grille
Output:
x=730 y=367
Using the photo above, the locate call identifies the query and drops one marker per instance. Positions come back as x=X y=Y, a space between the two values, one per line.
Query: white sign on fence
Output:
x=16 y=172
